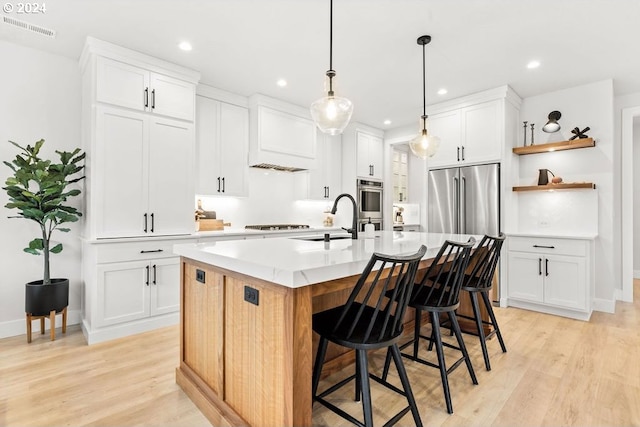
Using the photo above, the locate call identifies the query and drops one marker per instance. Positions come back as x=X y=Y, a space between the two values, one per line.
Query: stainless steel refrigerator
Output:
x=465 y=200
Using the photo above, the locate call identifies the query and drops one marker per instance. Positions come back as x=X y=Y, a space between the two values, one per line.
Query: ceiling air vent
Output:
x=29 y=27
x=277 y=168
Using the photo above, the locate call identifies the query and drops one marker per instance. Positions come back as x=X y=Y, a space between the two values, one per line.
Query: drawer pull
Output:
x=545 y=247
x=153 y=251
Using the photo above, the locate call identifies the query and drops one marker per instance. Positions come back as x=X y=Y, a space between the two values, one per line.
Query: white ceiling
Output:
x=244 y=46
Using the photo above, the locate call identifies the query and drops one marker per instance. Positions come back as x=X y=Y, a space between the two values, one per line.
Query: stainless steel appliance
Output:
x=465 y=200
x=370 y=201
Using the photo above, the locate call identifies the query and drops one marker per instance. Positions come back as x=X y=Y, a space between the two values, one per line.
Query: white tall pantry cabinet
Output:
x=138 y=127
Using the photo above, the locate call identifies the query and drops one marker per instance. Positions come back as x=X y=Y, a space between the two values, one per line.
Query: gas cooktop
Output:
x=274 y=227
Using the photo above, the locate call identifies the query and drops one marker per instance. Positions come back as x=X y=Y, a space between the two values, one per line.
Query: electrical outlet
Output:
x=200 y=277
x=251 y=295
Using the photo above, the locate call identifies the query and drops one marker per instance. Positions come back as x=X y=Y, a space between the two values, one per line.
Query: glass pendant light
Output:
x=331 y=113
x=424 y=145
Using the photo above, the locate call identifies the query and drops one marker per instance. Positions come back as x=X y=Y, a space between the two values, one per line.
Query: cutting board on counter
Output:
x=211 y=224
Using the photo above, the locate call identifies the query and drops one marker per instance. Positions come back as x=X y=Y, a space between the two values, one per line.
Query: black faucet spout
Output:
x=354 y=225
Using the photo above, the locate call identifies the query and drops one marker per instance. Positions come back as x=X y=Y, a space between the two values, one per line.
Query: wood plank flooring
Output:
x=557 y=371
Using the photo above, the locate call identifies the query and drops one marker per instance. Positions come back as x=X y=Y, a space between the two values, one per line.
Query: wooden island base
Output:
x=246 y=364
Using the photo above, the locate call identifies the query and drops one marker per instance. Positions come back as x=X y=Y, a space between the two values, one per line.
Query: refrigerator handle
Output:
x=463 y=204
x=456 y=205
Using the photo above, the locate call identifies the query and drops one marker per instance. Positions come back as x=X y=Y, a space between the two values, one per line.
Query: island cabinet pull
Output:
x=151 y=251
x=539 y=266
x=546 y=266
x=145 y=222
x=154 y=274
x=543 y=246
x=147 y=281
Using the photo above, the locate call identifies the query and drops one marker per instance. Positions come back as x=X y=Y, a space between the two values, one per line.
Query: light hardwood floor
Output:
x=557 y=372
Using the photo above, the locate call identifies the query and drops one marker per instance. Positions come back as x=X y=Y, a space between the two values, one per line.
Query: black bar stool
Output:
x=370 y=321
x=479 y=281
x=438 y=292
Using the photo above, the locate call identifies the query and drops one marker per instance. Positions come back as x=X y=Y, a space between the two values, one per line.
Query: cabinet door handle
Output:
x=147 y=281
x=153 y=221
x=458 y=153
x=463 y=153
x=146 y=97
x=223 y=184
x=543 y=246
x=218 y=184
x=154 y=274
x=153 y=99
x=546 y=266
x=151 y=252
x=539 y=266
x=145 y=222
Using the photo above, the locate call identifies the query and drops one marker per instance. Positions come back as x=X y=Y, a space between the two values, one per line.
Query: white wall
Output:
x=588 y=105
x=40 y=99
x=636 y=198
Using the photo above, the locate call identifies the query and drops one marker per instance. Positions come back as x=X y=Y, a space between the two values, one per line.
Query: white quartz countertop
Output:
x=292 y=262
x=582 y=236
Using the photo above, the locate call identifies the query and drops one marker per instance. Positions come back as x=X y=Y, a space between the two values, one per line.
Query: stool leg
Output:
x=463 y=349
x=28 y=327
x=52 y=324
x=387 y=363
x=317 y=367
x=483 y=343
x=416 y=332
x=42 y=326
x=494 y=322
x=358 y=380
x=64 y=320
x=402 y=373
x=365 y=386
x=435 y=322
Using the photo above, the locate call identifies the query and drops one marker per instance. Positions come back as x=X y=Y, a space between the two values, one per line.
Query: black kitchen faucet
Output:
x=354 y=227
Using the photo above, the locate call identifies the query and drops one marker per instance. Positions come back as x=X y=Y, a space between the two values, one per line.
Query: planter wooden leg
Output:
x=28 y=327
x=41 y=325
x=52 y=324
x=64 y=320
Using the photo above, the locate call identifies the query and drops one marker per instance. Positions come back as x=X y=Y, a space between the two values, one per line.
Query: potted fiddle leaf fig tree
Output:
x=39 y=191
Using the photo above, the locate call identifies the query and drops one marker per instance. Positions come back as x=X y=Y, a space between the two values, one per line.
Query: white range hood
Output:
x=282 y=136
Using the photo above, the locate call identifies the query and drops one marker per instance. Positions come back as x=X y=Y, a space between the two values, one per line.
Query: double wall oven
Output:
x=369 y=203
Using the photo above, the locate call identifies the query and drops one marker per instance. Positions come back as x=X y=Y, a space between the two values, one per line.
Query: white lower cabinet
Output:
x=552 y=275
x=130 y=287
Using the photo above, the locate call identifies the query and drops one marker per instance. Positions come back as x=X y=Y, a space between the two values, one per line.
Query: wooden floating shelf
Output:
x=555 y=146
x=561 y=186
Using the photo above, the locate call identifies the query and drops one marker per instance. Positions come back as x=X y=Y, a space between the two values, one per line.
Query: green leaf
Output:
x=31 y=251
x=56 y=249
x=64 y=230
x=36 y=244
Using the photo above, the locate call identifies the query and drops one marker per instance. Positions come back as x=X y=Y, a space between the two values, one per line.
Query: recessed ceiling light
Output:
x=387 y=122
x=281 y=82
x=442 y=91
x=533 y=64
x=186 y=46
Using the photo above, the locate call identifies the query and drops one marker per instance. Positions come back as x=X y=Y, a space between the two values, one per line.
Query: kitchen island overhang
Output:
x=246 y=343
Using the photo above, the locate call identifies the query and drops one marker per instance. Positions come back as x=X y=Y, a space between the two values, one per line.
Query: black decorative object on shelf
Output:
x=532 y=133
x=577 y=133
x=525 y=133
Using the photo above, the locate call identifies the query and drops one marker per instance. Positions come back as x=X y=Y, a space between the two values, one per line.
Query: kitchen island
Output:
x=246 y=342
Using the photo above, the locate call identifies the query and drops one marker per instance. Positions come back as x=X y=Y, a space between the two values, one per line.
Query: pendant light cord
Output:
x=331 y=73
x=424 y=89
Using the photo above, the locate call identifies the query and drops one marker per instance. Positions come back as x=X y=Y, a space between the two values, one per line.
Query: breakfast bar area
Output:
x=246 y=342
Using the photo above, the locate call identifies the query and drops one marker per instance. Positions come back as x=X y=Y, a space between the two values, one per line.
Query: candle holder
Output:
x=525 y=133
x=532 y=133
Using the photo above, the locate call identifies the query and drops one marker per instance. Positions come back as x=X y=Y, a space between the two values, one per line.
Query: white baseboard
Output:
x=606 y=306
x=12 y=328
x=97 y=335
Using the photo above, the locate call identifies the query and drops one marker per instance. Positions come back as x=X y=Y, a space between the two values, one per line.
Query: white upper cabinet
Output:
x=468 y=135
x=369 y=155
x=133 y=87
x=400 y=175
x=142 y=182
x=222 y=141
x=325 y=181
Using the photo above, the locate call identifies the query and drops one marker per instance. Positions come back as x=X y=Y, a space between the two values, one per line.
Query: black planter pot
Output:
x=40 y=300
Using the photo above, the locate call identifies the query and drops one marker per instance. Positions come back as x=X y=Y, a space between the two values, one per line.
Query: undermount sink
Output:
x=321 y=238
